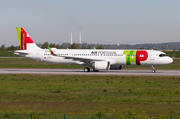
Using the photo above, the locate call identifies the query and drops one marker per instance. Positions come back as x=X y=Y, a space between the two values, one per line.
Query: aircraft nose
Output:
x=170 y=60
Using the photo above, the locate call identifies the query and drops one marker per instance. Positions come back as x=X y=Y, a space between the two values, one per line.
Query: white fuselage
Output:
x=115 y=57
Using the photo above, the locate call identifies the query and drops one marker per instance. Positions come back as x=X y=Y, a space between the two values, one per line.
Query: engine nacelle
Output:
x=116 y=67
x=97 y=65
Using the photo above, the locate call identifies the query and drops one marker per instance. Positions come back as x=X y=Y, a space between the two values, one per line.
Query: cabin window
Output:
x=162 y=55
x=141 y=55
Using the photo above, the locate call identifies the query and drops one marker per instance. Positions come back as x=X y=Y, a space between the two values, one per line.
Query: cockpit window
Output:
x=162 y=55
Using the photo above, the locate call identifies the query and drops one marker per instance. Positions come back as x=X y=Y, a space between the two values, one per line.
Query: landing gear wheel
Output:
x=95 y=70
x=86 y=69
x=153 y=70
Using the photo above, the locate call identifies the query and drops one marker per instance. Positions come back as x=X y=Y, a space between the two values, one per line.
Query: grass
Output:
x=5 y=53
x=170 y=53
x=89 y=95
x=28 y=63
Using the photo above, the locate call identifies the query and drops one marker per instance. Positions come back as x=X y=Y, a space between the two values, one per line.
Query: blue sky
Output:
x=100 y=21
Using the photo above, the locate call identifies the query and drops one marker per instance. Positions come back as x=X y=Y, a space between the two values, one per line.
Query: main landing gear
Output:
x=153 y=70
x=86 y=69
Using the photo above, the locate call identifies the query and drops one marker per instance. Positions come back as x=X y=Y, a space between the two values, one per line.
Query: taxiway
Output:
x=80 y=72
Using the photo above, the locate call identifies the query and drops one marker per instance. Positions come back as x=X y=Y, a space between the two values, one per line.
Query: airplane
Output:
x=98 y=59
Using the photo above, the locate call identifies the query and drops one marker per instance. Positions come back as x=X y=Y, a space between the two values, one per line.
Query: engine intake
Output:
x=97 y=65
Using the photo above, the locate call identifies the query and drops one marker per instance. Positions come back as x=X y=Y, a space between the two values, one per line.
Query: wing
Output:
x=80 y=59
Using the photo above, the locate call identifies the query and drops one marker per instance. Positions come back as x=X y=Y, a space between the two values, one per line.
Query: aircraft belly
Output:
x=121 y=60
x=152 y=62
x=144 y=63
x=31 y=56
x=58 y=60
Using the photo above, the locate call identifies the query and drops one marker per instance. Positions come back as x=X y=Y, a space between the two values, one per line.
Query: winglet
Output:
x=94 y=48
x=50 y=50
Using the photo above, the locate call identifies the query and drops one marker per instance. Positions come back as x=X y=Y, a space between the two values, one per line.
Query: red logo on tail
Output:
x=25 y=38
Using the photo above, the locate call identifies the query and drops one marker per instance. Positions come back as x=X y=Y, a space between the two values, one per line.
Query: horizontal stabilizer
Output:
x=24 y=52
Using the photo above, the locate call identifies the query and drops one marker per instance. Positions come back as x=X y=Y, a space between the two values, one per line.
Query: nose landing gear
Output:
x=153 y=69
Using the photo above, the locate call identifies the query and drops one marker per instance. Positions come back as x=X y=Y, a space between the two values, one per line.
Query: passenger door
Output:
x=152 y=55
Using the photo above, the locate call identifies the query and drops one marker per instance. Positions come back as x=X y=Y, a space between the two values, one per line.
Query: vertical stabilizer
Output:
x=25 y=40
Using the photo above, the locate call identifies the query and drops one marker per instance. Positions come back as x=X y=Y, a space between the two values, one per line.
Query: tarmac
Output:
x=81 y=72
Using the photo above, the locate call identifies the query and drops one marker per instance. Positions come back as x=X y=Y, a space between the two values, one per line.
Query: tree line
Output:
x=72 y=46
x=52 y=45
x=9 y=48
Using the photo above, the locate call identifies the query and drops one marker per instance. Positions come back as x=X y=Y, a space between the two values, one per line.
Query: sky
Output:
x=99 y=21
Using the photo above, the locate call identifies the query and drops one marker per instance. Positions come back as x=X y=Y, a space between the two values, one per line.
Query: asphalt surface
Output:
x=80 y=72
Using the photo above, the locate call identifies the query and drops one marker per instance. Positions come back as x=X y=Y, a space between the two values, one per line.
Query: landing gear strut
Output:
x=86 y=69
x=153 y=69
x=95 y=70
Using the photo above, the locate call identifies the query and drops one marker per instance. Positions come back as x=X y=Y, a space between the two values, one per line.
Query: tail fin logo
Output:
x=24 y=38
